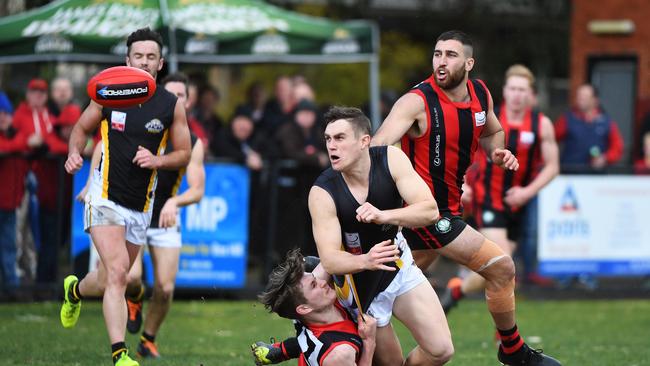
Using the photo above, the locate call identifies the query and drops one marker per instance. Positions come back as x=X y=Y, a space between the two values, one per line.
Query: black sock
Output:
x=117 y=349
x=73 y=293
x=147 y=337
x=511 y=342
x=291 y=348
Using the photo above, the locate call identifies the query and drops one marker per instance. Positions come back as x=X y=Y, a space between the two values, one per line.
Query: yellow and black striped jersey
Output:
x=123 y=130
x=168 y=183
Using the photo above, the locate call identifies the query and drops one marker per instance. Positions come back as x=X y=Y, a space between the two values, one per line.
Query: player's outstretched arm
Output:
x=327 y=234
x=399 y=121
x=86 y=124
x=195 y=174
x=179 y=135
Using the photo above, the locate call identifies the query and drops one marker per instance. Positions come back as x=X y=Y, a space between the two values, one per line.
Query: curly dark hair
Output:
x=283 y=292
x=144 y=34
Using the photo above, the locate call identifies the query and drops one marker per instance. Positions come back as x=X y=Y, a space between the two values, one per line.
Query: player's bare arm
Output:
x=493 y=141
x=327 y=234
x=94 y=163
x=421 y=209
x=86 y=124
x=342 y=355
x=195 y=174
x=179 y=135
x=407 y=116
x=367 y=332
x=518 y=196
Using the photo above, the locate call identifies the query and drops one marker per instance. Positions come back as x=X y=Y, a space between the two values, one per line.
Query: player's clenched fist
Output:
x=145 y=159
x=368 y=213
x=74 y=163
x=505 y=159
x=380 y=254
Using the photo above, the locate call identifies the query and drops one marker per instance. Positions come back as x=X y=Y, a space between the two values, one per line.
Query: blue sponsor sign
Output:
x=214 y=231
x=80 y=245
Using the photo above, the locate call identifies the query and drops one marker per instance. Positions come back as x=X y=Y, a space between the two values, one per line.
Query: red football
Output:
x=121 y=87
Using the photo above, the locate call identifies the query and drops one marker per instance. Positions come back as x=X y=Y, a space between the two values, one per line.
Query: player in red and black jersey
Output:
x=500 y=196
x=326 y=333
x=441 y=123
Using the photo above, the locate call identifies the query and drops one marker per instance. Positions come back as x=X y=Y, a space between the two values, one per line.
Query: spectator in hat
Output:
x=12 y=169
x=33 y=117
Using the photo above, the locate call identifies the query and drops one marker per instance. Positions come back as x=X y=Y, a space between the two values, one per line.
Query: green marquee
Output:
x=195 y=31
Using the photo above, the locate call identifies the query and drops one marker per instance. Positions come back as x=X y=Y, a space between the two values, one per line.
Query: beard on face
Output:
x=454 y=78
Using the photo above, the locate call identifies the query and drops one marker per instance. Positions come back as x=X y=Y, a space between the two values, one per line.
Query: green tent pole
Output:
x=172 y=57
x=375 y=116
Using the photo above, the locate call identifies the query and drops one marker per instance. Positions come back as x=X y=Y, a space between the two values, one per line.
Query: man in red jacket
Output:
x=35 y=122
x=12 y=170
x=54 y=211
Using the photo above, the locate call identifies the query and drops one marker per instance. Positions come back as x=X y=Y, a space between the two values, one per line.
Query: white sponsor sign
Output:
x=595 y=224
x=218 y=18
x=104 y=19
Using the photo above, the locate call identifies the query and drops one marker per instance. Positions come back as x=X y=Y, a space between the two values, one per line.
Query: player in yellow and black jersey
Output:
x=119 y=201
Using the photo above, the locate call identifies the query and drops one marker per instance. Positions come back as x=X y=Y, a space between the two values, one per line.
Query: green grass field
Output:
x=583 y=333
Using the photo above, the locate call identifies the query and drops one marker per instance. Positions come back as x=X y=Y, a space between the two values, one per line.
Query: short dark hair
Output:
x=177 y=77
x=144 y=34
x=459 y=36
x=283 y=293
x=360 y=123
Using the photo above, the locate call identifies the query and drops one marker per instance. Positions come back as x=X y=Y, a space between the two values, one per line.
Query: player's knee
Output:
x=163 y=292
x=439 y=353
x=504 y=271
x=116 y=276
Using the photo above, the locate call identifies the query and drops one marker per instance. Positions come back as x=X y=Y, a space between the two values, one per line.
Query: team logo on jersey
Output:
x=488 y=216
x=480 y=118
x=443 y=226
x=154 y=126
x=118 y=120
x=353 y=243
x=526 y=137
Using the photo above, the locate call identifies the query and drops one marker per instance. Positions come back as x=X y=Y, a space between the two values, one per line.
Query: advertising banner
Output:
x=214 y=231
x=595 y=224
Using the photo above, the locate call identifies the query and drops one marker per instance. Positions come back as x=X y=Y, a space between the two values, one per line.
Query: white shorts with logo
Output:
x=100 y=211
x=169 y=237
x=408 y=277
